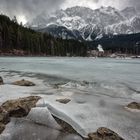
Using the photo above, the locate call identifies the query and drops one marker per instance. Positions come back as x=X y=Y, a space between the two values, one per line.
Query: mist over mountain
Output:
x=83 y=23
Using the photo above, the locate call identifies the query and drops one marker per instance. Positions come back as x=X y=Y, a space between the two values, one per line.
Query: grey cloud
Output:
x=135 y=3
x=120 y=4
x=31 y=8
x=28 y=7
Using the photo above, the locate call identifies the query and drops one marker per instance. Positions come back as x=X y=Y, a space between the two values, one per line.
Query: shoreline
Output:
x=15 y=110
x=111 y=55
x=35 y=56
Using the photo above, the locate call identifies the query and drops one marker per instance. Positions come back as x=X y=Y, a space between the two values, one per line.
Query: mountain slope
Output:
x=86 y=24
x=18 y=40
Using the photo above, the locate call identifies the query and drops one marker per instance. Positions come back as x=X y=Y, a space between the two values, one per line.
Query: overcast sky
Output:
x=25 y=9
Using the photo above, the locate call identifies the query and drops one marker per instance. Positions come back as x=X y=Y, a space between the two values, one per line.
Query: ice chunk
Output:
x=43 y=116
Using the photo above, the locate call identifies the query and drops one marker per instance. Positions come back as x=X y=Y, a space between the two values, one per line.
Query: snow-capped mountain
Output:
x=83 y=23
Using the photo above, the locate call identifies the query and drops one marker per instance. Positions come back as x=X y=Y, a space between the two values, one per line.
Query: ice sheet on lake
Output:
x=97 y=100
x=96 y=112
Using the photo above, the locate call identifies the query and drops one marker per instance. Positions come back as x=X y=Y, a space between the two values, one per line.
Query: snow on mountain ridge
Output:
x=89 y=24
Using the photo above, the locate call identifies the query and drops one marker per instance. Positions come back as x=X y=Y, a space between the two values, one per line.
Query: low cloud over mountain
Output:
x=31 y=8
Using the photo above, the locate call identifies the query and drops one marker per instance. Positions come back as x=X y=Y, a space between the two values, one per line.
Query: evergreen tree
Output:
x=16 y=37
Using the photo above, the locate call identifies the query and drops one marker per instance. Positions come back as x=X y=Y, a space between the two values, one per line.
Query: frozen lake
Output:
x=98 y=88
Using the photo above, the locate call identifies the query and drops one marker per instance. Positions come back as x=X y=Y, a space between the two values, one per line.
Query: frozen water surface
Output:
x=98 y=89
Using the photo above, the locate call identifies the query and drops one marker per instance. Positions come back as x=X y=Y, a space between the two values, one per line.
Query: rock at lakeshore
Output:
x=2 y=127
x=24 y=83
x=20 y=107
x=134 y=105
x=63 y=101
x=4 y=117
x=1 y=81
x=16 y=108
x=104 y=134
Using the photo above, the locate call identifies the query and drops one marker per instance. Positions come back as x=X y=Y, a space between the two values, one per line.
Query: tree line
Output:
x=17 y=38
x=126 y=44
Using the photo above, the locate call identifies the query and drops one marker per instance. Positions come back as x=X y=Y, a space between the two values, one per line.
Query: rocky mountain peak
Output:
x=88 y=24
